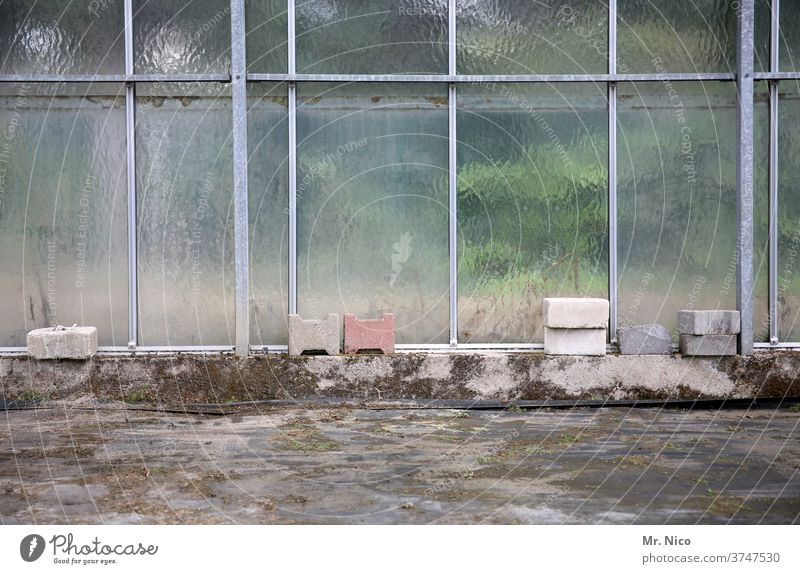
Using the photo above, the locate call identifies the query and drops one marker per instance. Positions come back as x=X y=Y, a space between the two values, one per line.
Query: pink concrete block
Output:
x=369 y=334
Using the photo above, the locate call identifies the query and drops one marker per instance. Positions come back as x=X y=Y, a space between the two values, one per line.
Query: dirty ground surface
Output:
x=88 y=463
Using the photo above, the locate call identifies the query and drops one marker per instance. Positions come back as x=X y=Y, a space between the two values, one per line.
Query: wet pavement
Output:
x=81 y=463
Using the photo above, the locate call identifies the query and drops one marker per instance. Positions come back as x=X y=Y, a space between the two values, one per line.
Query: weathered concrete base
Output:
x=187 y=379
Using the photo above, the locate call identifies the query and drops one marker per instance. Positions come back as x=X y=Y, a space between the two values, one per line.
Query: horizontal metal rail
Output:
x=473 y=79
x=112 y=78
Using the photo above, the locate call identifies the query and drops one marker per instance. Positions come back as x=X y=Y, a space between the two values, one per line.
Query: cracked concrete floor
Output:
x=75 y=463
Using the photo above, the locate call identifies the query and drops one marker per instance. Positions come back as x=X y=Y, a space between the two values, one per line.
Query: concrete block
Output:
x=314 y=334
x=575 y=313
x=61 y=342
x=709 y=322
x=369 y=334
x=707 y=345
x=574 y=341
x=653 y=339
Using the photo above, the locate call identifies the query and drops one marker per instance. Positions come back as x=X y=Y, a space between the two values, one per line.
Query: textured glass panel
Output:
x=763 y=19
x=789 y=211
x=182 y=36
x=790 y=36
x=185 y=205
x=63 y=207
x=372 y=36
x=266 y=36
x=532 y=205
x=57 y=37
x=268 y=187
x=372 y=205
x=676 y=36
x=676 y=200
x=550 y=37
x=761 y=214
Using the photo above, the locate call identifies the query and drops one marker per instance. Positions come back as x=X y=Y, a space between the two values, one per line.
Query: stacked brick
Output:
x=575 y=326
x=708 y=333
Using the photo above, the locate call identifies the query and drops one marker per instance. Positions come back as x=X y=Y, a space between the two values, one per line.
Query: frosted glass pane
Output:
x=57 y=37
x=676 y=36
x=185 y=205
x=676 y=200
x=761 y=214
x=63 y=210
x=532 y=205
x=790 y=36
x=182 y=36
x=550 y=37
x=371 y=36
x=267 y=35
x=762 y=34
x=372 y=205
x=789 y=212
x=268 y=187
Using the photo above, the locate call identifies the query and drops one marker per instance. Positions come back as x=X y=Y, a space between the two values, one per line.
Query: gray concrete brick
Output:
x=575 y=313
x=574 y=341
x=707 y=345
x=709 y=322
x=62 y=343
x=314 y=334
x=652 y=339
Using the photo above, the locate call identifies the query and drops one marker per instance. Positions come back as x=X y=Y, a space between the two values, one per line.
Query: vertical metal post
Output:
x=292 y=162
x=744 y=173
x=773 y=176
x=612 y=172
x=130 y=124
x=241 y=235
x=453 y=175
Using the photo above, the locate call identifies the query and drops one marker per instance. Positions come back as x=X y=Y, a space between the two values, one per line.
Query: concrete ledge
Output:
x=186 y=379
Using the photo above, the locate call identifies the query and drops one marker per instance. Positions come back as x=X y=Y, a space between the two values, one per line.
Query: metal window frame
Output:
x=239 y=77
x=774 y=83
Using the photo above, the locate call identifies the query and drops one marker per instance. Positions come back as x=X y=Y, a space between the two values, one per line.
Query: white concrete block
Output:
x=711 y=322
x=314 y=334
x=62 y=342
x=707 y=345
x=574 y=341
x=575 y=313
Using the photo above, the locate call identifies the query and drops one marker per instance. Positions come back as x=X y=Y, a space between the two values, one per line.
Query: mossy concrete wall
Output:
x=182 y=379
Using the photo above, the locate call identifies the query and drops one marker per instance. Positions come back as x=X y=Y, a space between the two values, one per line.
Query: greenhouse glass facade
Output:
x=183 y=174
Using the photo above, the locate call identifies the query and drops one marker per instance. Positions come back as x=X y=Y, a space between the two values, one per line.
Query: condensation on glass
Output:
x=532 y=204
x=266 y=22
x=185 y=214
x=56 y=37
x=63 y=207
x=268 y=201
x=372 y=204
x=676 y=153
x=372 y=36
x=177 y=36
x=789 y=212
x=676 y=36
x=512 y=37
